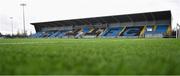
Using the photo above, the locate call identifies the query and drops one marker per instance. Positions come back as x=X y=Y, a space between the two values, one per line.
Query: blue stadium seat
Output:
x=162 y=28
x=49 y=34
x=132 y=31
x=37 y=35
x=113 y=31
x=55 y=34
x=61 y=33
x=159 y=29
x=158 y=32
x=86 y=29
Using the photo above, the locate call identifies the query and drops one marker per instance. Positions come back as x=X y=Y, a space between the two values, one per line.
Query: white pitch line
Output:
x=27 y=43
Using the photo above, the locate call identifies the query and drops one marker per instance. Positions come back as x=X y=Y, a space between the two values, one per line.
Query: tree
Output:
x=0 y=34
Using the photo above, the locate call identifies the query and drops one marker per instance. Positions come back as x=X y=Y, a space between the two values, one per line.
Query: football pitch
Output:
x=89 y=56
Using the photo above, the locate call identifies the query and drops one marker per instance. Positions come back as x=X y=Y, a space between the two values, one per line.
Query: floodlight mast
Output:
x=23 y=5
x=11 y=24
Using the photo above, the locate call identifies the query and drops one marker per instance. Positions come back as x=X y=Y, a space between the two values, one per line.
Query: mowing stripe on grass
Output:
x=27 y=43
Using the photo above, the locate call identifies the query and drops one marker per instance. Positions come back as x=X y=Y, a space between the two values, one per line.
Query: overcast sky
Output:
x=50 y=10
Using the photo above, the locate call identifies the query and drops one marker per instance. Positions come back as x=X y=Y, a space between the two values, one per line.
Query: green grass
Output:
x=89 y=56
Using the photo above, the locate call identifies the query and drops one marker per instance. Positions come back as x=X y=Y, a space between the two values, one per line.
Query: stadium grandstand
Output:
x=140 y=25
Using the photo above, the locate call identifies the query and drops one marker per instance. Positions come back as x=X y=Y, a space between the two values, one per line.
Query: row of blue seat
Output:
x=111 y=31
x=159 y=29
x=58 y=34
x=132 y=31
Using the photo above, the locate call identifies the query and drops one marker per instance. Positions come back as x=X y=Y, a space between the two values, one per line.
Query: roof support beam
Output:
x=103 y=20
x=130 y=19
x=53 y=24
x=115 y=19
x=72 y=22
x=100 y=21
x=81 y=22
x=146 y=20
x=58 y=23
x=67 y=23
x=87 y=22
x=97 y=20
x=154 y=18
